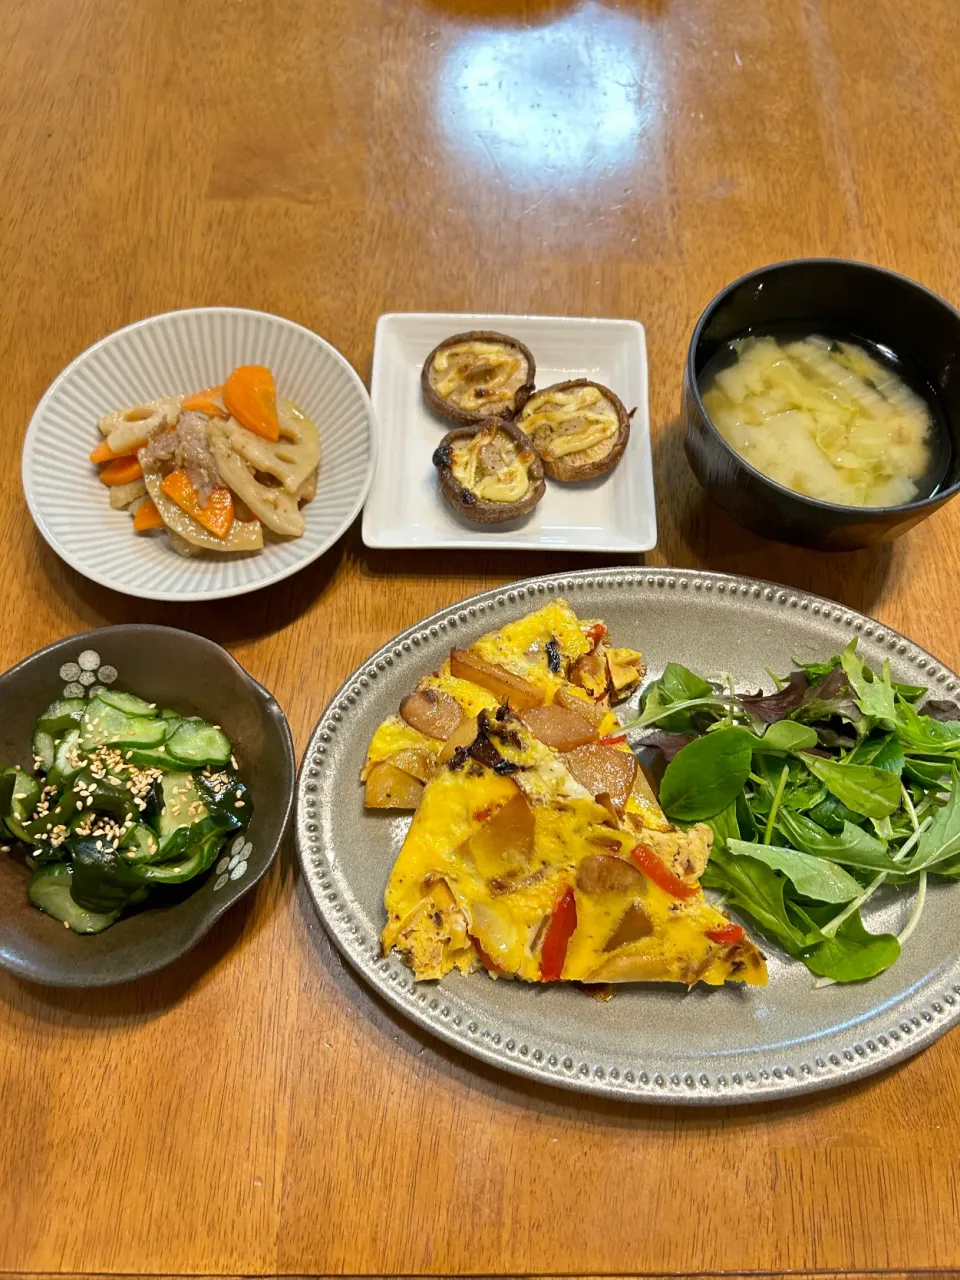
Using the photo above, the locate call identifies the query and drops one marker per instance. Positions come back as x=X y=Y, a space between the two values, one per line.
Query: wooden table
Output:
x=253 y=1109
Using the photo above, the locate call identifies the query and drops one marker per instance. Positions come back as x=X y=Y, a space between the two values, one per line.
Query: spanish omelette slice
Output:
x=537 y=849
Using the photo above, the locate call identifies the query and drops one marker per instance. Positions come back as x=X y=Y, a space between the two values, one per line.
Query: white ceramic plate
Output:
x=178 y=352
x=615 y=513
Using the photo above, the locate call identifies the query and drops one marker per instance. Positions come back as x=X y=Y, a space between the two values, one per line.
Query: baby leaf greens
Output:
x=706 y=776
x=838 y=785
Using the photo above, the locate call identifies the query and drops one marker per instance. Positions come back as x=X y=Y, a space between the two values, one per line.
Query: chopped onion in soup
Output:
x=823 y=418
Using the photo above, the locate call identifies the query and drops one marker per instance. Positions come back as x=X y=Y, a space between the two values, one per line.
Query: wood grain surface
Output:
x=254 y=1109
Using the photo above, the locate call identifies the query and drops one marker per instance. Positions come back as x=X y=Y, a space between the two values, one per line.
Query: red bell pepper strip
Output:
x=653 y=866
x=596 y=633
x=488 y=962
x=613 y=739
x=729 y=933
x=563 y=921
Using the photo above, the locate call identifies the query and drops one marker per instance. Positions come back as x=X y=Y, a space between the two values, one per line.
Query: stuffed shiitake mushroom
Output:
x=473 y=377
x=579 y=428
x=491 y=474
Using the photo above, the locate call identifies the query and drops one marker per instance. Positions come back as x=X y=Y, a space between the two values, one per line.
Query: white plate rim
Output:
x=222 y=593
x=480 y=542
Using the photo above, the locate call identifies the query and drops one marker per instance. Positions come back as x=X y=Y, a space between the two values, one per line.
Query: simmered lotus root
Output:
x=634 y=925
x=243 y=535
x=462 y=736
x=601 y=873
x=292 y=459
x=595 y=711
x=559 y=727
x=388 y=787
x=600 y=768
x=501 y=683
x=433 y=712
x=503 y=846
x=129 y=429
x=121 y=495
x=278 y=510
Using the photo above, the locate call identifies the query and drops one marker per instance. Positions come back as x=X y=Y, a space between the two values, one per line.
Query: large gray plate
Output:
x=709 y=1046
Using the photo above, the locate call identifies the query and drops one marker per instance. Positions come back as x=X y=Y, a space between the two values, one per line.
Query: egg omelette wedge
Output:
x=537 y=849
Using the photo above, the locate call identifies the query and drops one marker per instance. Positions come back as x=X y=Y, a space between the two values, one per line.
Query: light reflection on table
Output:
x=571 y=100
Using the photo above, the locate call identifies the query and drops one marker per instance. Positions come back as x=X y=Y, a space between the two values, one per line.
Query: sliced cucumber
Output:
x=168 y=713
x=196 y=848
x=139 y=845
x=64 y=714
x=180 y=806
x=128 y=703
x=173 y=723
x=25 y=796
x=8 y=777
x=43 y=749
x=198 y=743
x=49 y=891
x=149 y=758
x=67 y=759
x=104 y=725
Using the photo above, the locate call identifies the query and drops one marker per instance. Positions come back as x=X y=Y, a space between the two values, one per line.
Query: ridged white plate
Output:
x=184 y=351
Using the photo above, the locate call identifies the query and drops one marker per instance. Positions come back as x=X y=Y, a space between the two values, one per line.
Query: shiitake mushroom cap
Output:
x=562 y=468
x=464 y=501
x=464 y=417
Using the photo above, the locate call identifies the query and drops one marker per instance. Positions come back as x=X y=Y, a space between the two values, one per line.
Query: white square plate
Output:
x=613 y=513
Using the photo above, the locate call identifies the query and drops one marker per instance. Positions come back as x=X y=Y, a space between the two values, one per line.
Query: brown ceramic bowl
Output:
x=172 y=668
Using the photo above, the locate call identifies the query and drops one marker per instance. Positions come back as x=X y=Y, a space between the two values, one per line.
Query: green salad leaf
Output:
x=755 y=888
x=787 y=735
x=872 y=792
x=812 y=877
x=941 y=841
x=707 y=775
x=853 y=953
x=853 y=847
x=875 y=698
x=922 y=735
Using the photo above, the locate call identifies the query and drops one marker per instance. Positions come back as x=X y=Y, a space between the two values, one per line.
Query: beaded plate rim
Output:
x=912 y=1024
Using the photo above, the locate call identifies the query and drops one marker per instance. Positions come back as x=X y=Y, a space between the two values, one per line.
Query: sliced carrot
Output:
x=216 y=514
x=103 y=453
x=250 y=394
x=209 y=402
x=147 y=516
x=122 y=471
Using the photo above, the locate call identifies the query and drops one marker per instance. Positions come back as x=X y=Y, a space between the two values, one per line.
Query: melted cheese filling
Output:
x=491 y=466
x=565 y=422
x=478 y=376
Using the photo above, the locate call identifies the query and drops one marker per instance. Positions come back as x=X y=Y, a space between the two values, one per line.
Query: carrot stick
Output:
x=103 y=453
x=216 y=514
x=250 y=394
x=147 y=516
x=208 y=402
x=121 y=471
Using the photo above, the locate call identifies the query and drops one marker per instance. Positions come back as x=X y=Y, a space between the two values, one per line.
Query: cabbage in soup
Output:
x=824 y=418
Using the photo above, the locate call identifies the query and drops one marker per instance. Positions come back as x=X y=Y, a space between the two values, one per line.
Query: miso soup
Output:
x=826 y=418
